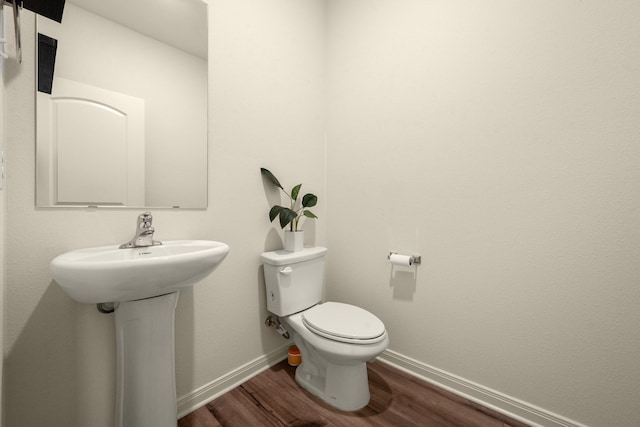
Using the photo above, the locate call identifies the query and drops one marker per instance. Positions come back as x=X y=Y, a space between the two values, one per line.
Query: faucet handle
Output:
x=145 y=219
x=145 y=216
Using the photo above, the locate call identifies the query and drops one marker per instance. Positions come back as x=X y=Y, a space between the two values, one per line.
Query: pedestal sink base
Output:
x=145 y=363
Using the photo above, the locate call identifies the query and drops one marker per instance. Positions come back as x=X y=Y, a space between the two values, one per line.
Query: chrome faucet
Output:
x=144 y=233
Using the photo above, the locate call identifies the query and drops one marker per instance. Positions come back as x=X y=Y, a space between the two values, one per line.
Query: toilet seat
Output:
x=344 y=322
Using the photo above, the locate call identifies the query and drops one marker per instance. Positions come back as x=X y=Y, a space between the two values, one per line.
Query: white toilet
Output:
x=335 y=340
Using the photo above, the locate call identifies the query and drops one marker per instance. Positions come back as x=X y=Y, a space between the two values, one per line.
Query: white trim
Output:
x=500 y=402
x=208 y=392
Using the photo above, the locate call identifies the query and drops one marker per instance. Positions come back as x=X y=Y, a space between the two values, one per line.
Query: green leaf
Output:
x=286 y=216
x=271 y=177
x=295 y=191
x=274 y=212
x=309 y=200
x=309 y=214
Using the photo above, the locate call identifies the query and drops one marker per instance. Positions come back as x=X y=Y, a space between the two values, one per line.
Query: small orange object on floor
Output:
x=294 y=356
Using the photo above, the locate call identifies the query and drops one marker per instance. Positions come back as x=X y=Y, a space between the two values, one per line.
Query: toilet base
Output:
x=345 y=387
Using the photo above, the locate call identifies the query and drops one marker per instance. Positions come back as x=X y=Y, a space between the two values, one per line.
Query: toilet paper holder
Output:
x=413 y=259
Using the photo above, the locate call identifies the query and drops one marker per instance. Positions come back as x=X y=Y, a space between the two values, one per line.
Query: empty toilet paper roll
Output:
x=401 y=260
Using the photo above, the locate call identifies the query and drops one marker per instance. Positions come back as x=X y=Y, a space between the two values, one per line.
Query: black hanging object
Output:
x=47 y=47
x=51 y=9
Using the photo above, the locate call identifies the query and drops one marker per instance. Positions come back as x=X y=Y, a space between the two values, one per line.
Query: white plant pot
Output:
x=293 y=241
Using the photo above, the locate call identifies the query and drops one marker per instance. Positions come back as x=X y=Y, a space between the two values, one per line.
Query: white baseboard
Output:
x=205 y=394
x=507 y=405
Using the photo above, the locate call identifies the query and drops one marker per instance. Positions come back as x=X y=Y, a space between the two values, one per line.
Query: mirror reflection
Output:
x=125 y=123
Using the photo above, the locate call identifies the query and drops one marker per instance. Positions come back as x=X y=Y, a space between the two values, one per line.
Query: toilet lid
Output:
x=344 y=322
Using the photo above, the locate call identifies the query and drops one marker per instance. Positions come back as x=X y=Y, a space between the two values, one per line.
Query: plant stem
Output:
x=294 y=222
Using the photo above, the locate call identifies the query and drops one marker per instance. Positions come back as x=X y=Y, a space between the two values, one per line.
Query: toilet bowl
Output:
x=335 y=339
x=334 y=366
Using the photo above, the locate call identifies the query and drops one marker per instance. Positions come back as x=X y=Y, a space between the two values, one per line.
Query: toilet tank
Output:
x=294 y=280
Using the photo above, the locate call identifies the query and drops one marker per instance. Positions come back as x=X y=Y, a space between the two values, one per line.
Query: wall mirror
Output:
x=125 y=122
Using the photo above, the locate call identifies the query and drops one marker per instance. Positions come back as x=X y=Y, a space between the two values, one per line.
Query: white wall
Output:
x=500 y=140
x=266 y=109
x=2 y=213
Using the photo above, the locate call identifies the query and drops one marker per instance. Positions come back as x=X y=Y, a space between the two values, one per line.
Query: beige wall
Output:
x=500 y=140
x=266 y=109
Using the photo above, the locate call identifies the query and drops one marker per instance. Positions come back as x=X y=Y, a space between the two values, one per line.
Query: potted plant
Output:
x=291 y=215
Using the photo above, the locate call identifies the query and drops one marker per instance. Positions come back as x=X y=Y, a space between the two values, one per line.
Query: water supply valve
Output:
x=274 y=322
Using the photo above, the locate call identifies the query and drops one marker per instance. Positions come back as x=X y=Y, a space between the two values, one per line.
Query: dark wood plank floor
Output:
x=397 y=399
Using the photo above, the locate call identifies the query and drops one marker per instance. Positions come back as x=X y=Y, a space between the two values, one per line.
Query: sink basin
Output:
x=108 y=274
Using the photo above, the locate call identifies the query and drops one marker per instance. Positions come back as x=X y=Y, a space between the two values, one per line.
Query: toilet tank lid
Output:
x=282 y=257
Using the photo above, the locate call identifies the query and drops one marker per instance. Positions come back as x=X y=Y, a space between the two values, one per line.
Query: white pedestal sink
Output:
x=144 y=282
